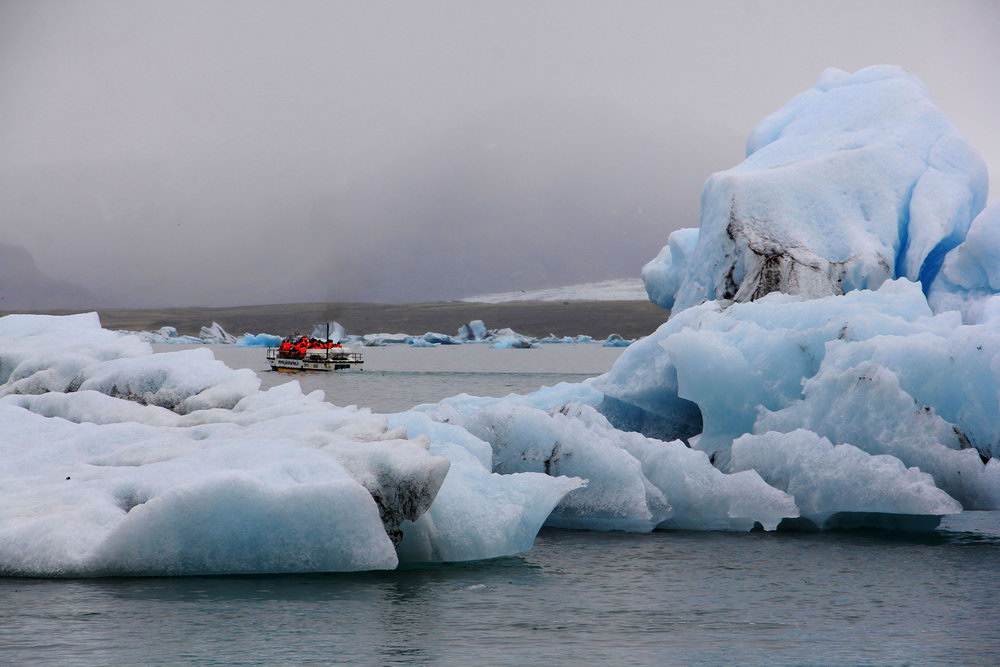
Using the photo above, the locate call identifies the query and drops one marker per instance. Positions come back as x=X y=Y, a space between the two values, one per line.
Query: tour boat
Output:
x=311 y=354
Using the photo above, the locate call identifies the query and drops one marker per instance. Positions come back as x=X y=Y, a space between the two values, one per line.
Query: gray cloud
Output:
x=227 y=152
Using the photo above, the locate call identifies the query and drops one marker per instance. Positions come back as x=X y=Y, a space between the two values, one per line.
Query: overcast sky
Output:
x=226 y=152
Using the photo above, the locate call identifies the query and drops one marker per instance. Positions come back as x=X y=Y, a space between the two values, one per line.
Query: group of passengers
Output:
x=296 y=346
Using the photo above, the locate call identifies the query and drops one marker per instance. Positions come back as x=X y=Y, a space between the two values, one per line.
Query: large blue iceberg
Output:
x=801 y=338
x=859 y=180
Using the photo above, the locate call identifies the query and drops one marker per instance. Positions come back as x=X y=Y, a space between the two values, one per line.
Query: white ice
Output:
x=842 y=486
x=119 y=461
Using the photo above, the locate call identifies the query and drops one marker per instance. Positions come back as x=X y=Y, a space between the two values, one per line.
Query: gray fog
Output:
x=229 y=152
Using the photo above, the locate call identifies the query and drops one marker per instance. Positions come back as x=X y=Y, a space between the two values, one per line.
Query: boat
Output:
x=301 y=353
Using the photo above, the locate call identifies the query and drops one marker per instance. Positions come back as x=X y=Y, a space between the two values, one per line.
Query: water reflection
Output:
x=861 y=596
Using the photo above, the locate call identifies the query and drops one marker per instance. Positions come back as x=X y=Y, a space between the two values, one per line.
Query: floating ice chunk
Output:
x=865 y=406
x=552 y=338
x=216 y=334
x=472 y=331
x=615 y=340
x=441 y=339
x=860 y=180
x=336 y=330
x=508 y=338
x=842 y=485
x=419 y=341
x=380 y=339
x=258 y=340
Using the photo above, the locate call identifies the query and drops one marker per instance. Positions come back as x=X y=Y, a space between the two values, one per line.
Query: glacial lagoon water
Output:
x=667 y=598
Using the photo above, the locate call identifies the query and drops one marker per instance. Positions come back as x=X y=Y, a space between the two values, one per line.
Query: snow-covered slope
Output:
x=620 y=289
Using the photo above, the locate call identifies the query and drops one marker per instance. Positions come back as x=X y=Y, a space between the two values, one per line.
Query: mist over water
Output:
x=226 y=153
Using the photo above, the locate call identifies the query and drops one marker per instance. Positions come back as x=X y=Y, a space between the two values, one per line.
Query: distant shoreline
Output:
x=631 y=319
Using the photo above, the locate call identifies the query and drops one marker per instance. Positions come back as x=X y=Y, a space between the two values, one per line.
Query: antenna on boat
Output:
x=328 y=332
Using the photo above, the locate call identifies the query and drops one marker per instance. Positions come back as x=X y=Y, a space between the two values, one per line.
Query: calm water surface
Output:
x=611 y=598
x=397 y=377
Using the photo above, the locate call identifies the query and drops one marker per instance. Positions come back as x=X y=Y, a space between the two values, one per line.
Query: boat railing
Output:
x=324 y=354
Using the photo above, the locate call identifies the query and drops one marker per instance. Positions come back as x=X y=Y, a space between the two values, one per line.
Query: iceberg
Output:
x=440 y=339
x=119 y=461
x=258 y=340
x=615 y=340
x=382 y=339
x=815 y=341
x=473 y=331
x=859 y=180
x=335 y=330
x=215 y=334
x=510 y=339
x=832 y=360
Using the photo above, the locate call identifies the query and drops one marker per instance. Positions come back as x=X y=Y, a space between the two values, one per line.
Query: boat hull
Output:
x=334 y=361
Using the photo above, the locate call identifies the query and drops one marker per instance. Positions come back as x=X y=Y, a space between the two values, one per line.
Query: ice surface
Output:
x=476 y=514
x=857 y=181
x=969 y=280
x=828 y=482
x=875 y=369
x=634 y=483
x=167 y=335
x=130 y=498
x=865 y=406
